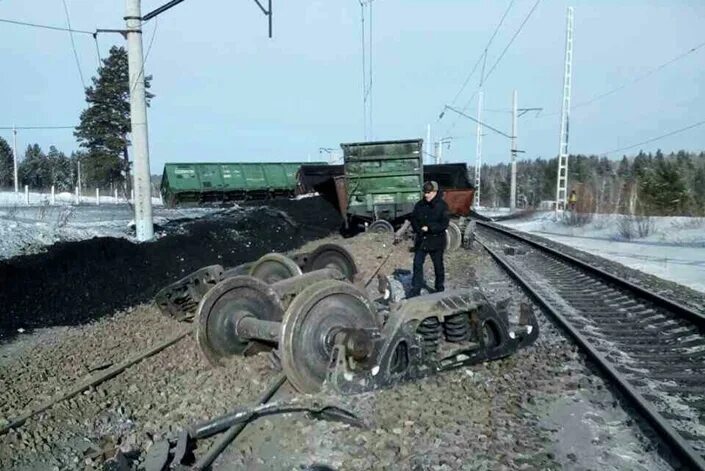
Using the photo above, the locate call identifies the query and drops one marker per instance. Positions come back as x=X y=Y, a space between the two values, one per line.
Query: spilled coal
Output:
x=76 y=282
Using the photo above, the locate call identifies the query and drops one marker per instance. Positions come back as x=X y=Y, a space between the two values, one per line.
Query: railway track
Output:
x=651 y=347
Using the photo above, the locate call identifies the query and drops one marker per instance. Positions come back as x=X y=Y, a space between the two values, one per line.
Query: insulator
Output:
x=457 y=328
x=431 y=331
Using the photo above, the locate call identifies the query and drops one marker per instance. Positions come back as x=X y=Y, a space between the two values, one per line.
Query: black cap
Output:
x=430 y=186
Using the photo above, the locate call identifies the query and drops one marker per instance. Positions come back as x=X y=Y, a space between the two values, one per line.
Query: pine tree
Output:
x=105 y=124
x=61 y=170
x=663 y=189
x=7 y=169
x=35 y=170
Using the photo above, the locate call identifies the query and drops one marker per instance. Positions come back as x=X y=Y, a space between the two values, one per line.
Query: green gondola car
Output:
x=382 y=179
x=202 y=183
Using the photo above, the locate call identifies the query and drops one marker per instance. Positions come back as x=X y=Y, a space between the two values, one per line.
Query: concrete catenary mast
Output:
x=138 y=121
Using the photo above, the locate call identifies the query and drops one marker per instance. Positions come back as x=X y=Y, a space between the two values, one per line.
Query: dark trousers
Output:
x=437 y=259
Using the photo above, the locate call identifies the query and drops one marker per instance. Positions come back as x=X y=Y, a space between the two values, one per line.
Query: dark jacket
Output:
x=436 y=216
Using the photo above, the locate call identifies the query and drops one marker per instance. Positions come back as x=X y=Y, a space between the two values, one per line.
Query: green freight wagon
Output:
x=382 y=180
x=198 y=183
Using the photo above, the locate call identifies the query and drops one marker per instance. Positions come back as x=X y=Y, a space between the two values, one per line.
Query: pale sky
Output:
x=225 y=92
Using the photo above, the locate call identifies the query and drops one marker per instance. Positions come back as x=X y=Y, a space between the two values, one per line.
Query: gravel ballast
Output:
x=543 y=408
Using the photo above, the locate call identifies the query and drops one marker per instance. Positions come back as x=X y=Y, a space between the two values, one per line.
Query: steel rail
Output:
x=671 y=436
x=673 y=306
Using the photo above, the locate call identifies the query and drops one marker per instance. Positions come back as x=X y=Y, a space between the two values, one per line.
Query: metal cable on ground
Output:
x=73 y=44
x=653 y=139
x=230 y=435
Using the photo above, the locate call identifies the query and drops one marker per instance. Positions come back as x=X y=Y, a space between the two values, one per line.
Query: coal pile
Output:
x=76 y=282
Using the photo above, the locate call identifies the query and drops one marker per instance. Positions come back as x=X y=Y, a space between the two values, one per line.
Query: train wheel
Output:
x=380 y=226
x=219 y=310
x=453 y=237
x=311 y=321
x=274 y=267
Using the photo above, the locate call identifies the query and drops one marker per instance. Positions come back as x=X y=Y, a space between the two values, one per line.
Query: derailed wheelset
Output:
x=181 y=298
x=331 y=333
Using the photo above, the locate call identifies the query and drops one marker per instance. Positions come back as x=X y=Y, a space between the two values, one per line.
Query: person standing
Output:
x=429 y=221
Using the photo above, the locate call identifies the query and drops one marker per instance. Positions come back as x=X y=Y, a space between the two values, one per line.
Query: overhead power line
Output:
x=654 y=139
x=523 y=23
x=55 y=28
x=501 y=56
x=479 y=59
x=36 y=127
x=634 y=80
x=73 y=45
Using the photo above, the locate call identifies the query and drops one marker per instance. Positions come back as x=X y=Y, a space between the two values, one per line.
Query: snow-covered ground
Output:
x=674 y=249
x=29 y=229
x=492 y=212
x=11 y=199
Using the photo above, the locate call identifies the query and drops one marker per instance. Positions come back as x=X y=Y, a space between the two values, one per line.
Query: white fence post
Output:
x=97 y=196
x=78 y=197
x=26 y=194
x=116 y=197
x=132 y=195
x=52 y=201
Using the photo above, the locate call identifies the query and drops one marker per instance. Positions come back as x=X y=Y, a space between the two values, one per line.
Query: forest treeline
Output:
x=647 y=183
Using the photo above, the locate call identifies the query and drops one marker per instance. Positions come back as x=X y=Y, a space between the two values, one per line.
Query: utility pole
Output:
x=428 y=141
x=562 y=177
x=138 y=121
x=513 y=186
x=478 y=150
x=439 y=155
x=14 y=157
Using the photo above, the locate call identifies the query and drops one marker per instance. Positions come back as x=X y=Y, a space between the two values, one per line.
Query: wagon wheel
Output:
x=331 y=256
x=274 y=267
x=381 y=226
x=305 y=346
x=453 y=237
x=221 y=307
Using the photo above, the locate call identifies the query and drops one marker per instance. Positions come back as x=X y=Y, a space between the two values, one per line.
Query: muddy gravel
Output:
x=544 y=408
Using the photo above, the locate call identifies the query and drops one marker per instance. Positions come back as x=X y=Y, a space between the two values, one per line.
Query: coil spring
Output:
x=457 y=328
x=430 y=331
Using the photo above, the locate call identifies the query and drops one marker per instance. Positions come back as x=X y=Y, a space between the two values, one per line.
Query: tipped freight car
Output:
x=203 y=183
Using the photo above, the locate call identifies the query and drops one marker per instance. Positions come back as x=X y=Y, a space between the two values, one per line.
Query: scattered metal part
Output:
x=157 y=457
x=180 y=299
x=117 y=463
x=314 y=406
x=224 y=440
x=183 y=454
